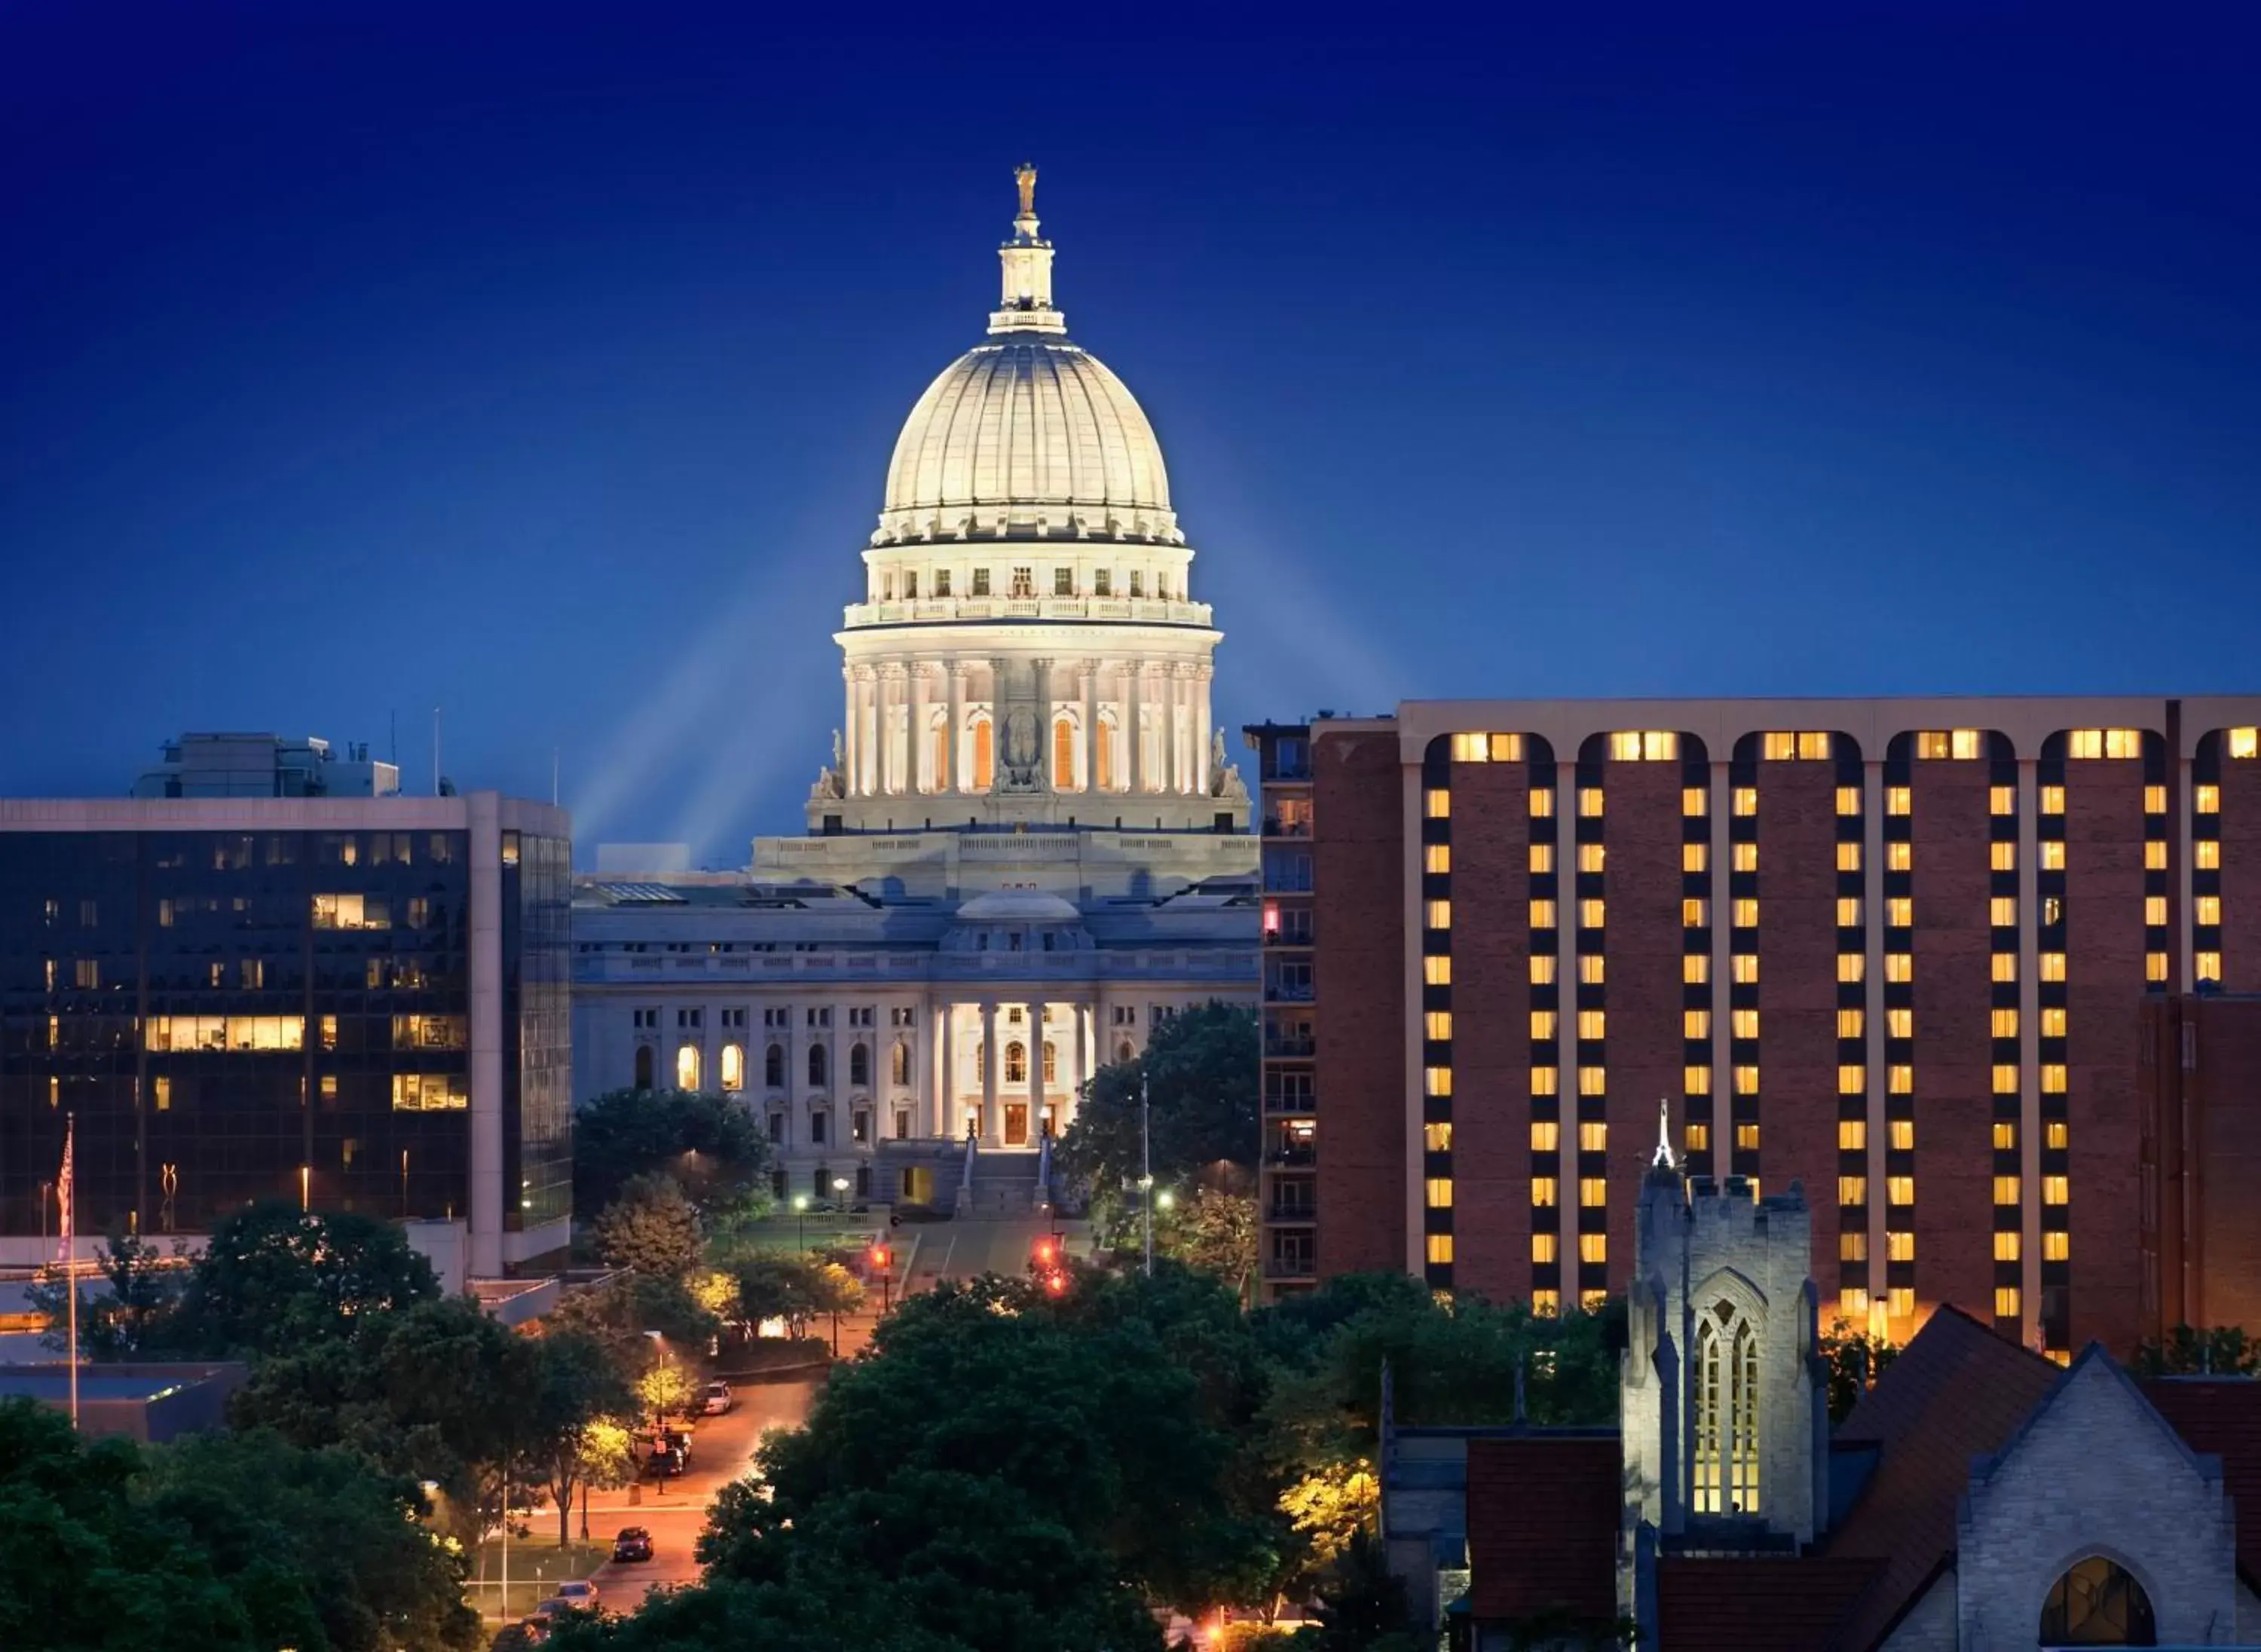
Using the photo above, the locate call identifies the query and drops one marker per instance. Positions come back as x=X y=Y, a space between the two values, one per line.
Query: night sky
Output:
x=543 y=363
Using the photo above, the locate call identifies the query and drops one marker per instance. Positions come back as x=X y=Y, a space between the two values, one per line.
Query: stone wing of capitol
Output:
x=1026 y=846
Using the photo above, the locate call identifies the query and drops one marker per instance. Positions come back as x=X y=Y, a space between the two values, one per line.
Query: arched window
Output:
x=1017 y=1064
x=2098 y=1604
x=686 y=1066
x=1123 y=1051
x=1063 y=756
x=643 y=1066
x=1051 y=1064
x=1104 y=780
x=860 y=1064
x=734 y=1066
x=816 y=1064
x=939 y=762
x=899 y=1064
x=773 y=1067
x=1727 y=1459
x=985 y=754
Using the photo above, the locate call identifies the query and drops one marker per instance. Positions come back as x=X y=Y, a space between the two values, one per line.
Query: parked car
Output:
x=632 y=1543
x=579 y=1593
x=663 y=1465
x=719 y=1398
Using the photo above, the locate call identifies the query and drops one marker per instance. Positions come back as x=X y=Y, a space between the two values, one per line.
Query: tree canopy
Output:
x=652 y=1227
x=1199 y=1073
x=709 y=1145
x=275 y=1278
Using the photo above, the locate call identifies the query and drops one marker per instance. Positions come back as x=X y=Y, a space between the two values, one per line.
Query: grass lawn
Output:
x=784 y=1232
x=536 y=1563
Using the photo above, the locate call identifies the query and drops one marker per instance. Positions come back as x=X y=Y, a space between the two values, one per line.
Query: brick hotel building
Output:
x=1936 y=960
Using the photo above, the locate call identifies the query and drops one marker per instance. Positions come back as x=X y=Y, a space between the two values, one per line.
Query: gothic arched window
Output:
x=1727 y=1458
x=773 y=1067
x=860 y=1064
x=2098 y=1604
x=817 y=1067
x=900 y=1063
x=1017 y=1064
x=643 y=1066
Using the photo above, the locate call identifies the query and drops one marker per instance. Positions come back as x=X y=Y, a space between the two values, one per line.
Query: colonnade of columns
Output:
x=1008 y=1112
x=1142 y=726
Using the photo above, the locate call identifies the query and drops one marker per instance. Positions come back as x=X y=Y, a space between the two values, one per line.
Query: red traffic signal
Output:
x=1056 y=1284
x=881 y=1261
x=1047 y=1251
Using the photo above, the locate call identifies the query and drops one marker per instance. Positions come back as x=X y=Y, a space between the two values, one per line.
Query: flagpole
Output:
x=70 y=1262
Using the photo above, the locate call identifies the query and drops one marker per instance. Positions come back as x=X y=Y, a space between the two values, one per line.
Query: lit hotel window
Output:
x=1437 y=971
x=1542 y=969
x=2005 y=1136
x=1438 y=914
x=1589 y=801
x=1899 y=1024
x=1744 y=857
x=1746 y=913
x=1593 y=1023
x=2007 y=1247
x=2006 y=1024
x=2155 y=856
x=1745 y=968
x=2053 y=1134
x=1542 y=1023
x=2005 y=966
x=2104 y=742
x=1852 y=1189
x=1545 y=1080
x=2053 y=1077
x=1852 y=967
x=1853 y=1303
x=2154 y=910
x=1747 y=1081
x=1899 y=966
x=1696 y=1081
x=1593 y=857
x=2004 y=856
x=1545 y=1135
x=1851 y=1080
x=2052 y=965
x=1593 y=968
x=2056 y=1248
x=1593 y=1248
x=1695 y=1024
x=1900 y=1302
x=1695 y=968
x=1899 y=1079
x=1437 y=857
x=1853 y=1244
x=2206 y=799
x=2209 y=909
x=1543 y=1246
x=1852 y=1135
x=1542 y=915
x=1695 y=803
x=1542 y=803
x=2006 y=1302
x=1542 y=858
x=2002 y=911
x=2244 y=742
x=1542 y=1192
x=1747 y=800
x=2052 y=799
x=1438 y=1080
x=1440 y=1248
x=1899 y=1190
x=1439 y=803
x=1593 y=1136
x=1743 y=1024
x=1746 y=1138
x=1896 y=800
x=1849 y=856
x=2055 y=1189
x=2204 y=966
x=1437 y=1137
x=2002 y=800
x=1593 y=1192
x=1697 y=1137
x=2005 y=1190
x=2052 y=1023
x=1645 y=745
x=2206 y=854
x=2005 y=1080
x=1849 y=800
x=1695 y=915
x=1852 y=1024
x=1438 y=1024
x=1438 y=1191
x=1899 y=1246
x=1961 y=743
x=1903 y=1135
x=1546 y=1303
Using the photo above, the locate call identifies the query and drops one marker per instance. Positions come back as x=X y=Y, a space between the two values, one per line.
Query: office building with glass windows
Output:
x=1898 y=951
x=360 y=1003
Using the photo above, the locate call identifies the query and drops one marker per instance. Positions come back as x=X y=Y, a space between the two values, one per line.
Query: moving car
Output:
x=631 y=1543
x=719 y=1398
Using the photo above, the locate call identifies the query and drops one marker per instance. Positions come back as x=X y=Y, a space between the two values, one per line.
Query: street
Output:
x=675 y=1511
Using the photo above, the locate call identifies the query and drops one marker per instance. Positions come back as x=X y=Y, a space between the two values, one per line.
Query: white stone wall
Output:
x=2097 y=1472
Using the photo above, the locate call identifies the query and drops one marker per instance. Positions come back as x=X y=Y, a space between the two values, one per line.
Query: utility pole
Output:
x=1146 y=1170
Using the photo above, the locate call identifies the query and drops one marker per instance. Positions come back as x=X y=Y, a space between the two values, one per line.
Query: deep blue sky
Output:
x=543 y=362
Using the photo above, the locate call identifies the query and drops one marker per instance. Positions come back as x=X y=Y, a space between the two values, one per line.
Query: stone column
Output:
x=852 y=744
x=1087 y=678
x=867 y=756
x=1199 y=688
x=892 y=745
x=938 y=1066
x=992 y=1064
x=1052 y=782
x=1037 y=1090
x=1172 y=768
x=954 y=764
x=1134 y=700
x=915 y=770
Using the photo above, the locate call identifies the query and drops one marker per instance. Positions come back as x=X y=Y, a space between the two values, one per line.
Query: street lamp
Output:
x=1165 y=1199
x=801 y=1213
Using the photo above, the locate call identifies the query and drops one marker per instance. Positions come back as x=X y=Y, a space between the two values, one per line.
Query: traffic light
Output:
x=1056 y=1284
x=1047 y=1252
x=881 y=1261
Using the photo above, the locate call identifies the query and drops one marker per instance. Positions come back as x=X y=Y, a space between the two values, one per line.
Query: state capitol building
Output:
x=1027 y=847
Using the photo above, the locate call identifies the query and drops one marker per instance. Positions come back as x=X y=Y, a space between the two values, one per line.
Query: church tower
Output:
x=1723 y=1389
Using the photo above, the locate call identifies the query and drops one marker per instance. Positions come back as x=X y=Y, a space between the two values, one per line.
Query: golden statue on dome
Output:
x=1025 y=176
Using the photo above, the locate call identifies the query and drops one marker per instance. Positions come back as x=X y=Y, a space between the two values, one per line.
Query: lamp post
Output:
x=800 y=1214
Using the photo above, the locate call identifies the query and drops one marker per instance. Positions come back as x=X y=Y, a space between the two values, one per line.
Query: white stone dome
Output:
x=1027 y=436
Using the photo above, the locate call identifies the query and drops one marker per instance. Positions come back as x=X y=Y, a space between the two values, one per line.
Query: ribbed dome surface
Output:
x=1027 y=434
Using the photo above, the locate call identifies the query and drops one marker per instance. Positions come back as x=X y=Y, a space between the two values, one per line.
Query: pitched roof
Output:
x=1542 y=1524
x=2221 y=1415
x=1758 y=1604
x=1956 y=1392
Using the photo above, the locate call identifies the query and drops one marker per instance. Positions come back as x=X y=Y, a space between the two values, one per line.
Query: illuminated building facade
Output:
x=1894 y=950
x=1027 y=843
x=360 y=1004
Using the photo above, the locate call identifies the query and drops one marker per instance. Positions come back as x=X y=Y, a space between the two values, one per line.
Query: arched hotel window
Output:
x=1017 y=1064
x=1063 y=756
x=686 y=1066
x=734 y=1066
x=1104 y=780
x=860 y=1064
x=816 y=1064
x=985 y=753
x=2098 y=1604
x=643 y=1066
x=899 y=1064
x=1051 y=1064
x=1727 y=1411
x=773 y=1067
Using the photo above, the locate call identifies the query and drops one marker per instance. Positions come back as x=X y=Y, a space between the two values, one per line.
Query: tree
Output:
x=1363 y=1607
x=709 y=1144
x=1855 y=1361
x=1214 y=1232
x=1330 y=1507
x=2187 y=1351
x=651 y=1228
x=131 y=1320
x=623 y=1313
x=320 y=1548
x=667 y=1387
x=274 y=1279
x=776 y=1286
x=1198 y=1071
x=576 y=1382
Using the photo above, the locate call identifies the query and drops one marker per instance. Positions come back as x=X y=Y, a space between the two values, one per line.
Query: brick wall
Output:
x=1641 y=829
x=1491 y=1030
x=2104 y=936
x=1359 y=972
x=2241 y=875
x=1953 y=955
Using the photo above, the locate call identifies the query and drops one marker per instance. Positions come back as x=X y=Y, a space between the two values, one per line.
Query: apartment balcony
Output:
x=1288 y=937
x=1293 y=1158
x=1303 y=1106
x=1280 y=992
x=1290 y=1047
x=1298 y=1264
x=1274 y=827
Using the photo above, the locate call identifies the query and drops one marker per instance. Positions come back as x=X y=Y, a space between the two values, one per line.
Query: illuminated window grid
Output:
x=2215 y=752
x=1437 y=1000
x=1588 y=907
x=1859 y=1145
x=2045 y=1042
x=1891 y=1022
x=1735 y=1019
x=1545 y=905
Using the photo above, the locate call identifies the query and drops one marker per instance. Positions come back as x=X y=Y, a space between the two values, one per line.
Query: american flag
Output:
x=63 y=1195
